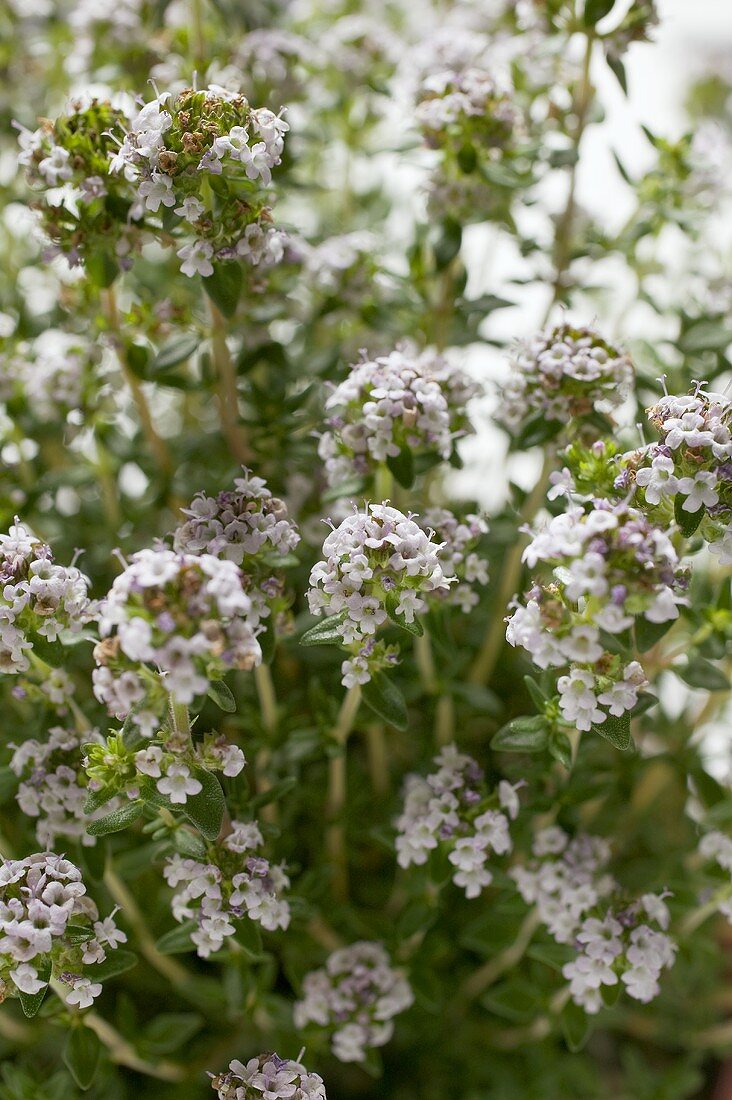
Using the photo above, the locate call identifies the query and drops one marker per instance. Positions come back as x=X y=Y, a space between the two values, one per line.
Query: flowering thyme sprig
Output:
x=268 y=1076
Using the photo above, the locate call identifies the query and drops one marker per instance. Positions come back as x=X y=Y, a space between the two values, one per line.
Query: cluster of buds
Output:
x=151 y=170
x=50 y=928
x=237 y=883
x=603 y=570
x=250 y=527
x=355 y=998
x=451 y=811
x=39 y=599
x=564 y=375
x=402 y=402
x=378 y=565
x=269 y=1077
x=51 y=378
x=688 y=475
x=186 y=616
x=170 y=765
x=569 y=884
x=460 y=538
x=53 y=787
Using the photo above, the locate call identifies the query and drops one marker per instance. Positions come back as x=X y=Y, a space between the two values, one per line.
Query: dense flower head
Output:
x=39 y=598
x=596 y=571
x=564 y=373
x=149 y=168
x=170 y=764
x=405 y=400
x=51 y=375
x=355 y=998
x=568 y=882
x=461 y=109
x=187 y=615
x=689 y=472
x=237 y=883
x=268 y=1076
x=460 y=536
x=452 y=811
x=378 y=564
x=53 y=787
x=49 y=927
x=249 y=526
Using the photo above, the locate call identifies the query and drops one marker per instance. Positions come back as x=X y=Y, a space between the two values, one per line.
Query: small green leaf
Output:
x=448 y=244
x=616 y=731
x=178 y=940
x=116 y=962
x=95 y=799
x=78 y=933
x=222 y=696
x=687 y=521
x=101 y=269
x=206 y=809
x=537 y=430
x=617 y=67
x=354 y=487
x=648 y=634
x=117 y=820
x=31 y=1002
x=171 y=1031
x=392 y=603
x=384 y=698
x=703 y=674
x=189 y=843
x=576 y=1026
x=522 y=735
x=248 y=935
x=82 y=1055
x=539 y=698
x=402 y=467
x=173 y=352
x=595 y=10
x=705 y=336
x=325 y=632
x=560 y=748
x=224 y=287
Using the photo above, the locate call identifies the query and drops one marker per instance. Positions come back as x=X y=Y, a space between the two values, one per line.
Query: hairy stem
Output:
x=268 y=709
x=227 y=393
x=377 y=758
x=157 y=446
x=505 y=960
x=336 y=802
x=164 y=964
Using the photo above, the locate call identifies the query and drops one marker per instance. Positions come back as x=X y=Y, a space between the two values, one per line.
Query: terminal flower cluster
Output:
x=354 y=998
x=237 y=883
x=52 y=375
x=187 y=616
x=689 y=472
x=250 y=527
x=406 y=400
x=452 y=811
x=377 y=565
x=564 y=374
x=268 y=1076
x=599 y=571
x=49 y=927
x=39 y=599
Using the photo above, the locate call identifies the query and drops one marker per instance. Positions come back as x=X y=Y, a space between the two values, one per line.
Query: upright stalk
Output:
x=227 y=393
x=268 y=709
x=157 y=446
x=485 y=662
x=444 y=705
x=336 y=802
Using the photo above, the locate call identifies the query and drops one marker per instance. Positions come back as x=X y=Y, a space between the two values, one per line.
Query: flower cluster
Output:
x=53 y=786
x=39 y=599
x=451 y=811
x=718 y=847
x=268 y=1076
x=564 y=374
x=48 y=927
x=171 y=150
x=377 y=565
x=466 y=112
x=404 y=401
x=51 y=375
x=355 y=996
x=169 y=765
x=689 y=473
x=151 y=169
x=460 y=537
x=604 y=569
x=249 y=526
x=237 y=883
x=187 y=615
x=569 y=884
